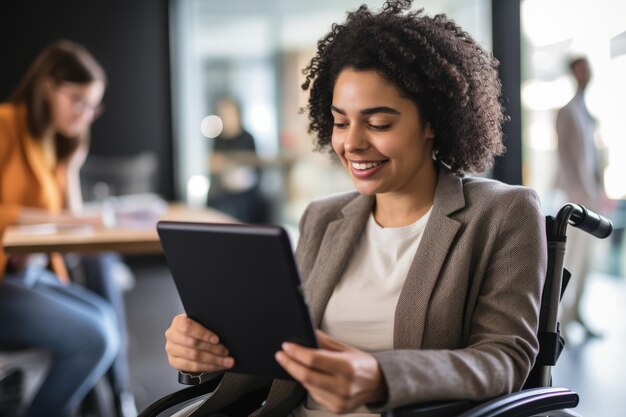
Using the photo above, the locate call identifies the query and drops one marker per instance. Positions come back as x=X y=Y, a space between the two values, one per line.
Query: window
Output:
x=254 y=51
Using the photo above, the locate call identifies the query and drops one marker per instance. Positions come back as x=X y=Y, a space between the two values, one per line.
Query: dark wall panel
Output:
x=507 y=48
x=130 y=39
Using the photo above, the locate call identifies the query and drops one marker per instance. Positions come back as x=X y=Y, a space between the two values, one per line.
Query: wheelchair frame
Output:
x=538 y=397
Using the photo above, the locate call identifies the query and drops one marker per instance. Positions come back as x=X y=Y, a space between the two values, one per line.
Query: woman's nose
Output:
x=355 y=140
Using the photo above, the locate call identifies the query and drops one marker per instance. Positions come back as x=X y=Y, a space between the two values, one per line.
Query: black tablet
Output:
x=241 y=282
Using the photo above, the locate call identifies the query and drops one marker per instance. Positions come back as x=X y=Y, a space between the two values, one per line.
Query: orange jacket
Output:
x=26 y=179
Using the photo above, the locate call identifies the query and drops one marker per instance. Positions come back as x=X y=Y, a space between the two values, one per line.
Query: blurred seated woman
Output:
x=425 y=283
x=44 y=134
x=235 y=185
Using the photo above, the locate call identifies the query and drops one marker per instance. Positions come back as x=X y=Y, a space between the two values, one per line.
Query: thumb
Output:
x=330 y=343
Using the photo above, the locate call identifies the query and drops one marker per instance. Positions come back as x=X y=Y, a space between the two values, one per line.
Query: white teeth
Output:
x=365 y=165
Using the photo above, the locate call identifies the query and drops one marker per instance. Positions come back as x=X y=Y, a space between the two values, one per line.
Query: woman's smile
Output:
x=365 y=169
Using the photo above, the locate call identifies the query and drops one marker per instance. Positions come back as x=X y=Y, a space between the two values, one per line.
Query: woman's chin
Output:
x=365 y=190
x=70 y=131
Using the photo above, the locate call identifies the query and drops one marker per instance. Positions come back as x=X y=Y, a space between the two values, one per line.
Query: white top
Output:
x=362 y=307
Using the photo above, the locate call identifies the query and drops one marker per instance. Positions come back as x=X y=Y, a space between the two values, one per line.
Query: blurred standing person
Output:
x=44 y=138
x=235 y=182
x=579 y=179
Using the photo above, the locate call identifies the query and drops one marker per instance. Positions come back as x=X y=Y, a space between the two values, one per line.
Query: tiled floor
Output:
x=596 y=368
x=151 y=305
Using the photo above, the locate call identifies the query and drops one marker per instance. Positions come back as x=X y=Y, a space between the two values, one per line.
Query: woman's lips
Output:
x=365 y=169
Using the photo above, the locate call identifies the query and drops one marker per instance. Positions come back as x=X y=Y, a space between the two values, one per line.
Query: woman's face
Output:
x=378 y=134
x=73 y=106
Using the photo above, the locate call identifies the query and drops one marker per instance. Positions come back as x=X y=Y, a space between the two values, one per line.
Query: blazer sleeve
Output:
x=502 y=344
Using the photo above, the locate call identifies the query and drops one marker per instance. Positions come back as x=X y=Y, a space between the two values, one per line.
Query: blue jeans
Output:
x=97 y=269
x=76 y=326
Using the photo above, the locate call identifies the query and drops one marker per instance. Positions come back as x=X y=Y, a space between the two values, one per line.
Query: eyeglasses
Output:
x=79 y=102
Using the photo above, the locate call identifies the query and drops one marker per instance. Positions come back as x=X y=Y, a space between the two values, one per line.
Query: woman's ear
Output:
x=428 y=129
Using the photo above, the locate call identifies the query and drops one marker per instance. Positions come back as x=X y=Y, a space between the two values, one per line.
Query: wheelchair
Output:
x=537 y=397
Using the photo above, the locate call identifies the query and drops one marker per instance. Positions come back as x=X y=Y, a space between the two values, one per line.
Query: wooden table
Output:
x=141 y=238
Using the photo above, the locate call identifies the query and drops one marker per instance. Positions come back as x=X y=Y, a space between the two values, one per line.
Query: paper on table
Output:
x=135 y=211
x=51 y=228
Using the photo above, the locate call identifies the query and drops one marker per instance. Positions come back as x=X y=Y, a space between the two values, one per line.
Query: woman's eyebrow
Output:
x=337 y=110
x=380 y=109
x=369 y=111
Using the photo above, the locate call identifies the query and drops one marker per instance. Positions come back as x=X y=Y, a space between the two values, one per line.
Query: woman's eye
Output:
x=340 y=125
x=380 y=127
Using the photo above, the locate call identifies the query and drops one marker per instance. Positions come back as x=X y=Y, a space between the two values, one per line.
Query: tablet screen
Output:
x=241 y=282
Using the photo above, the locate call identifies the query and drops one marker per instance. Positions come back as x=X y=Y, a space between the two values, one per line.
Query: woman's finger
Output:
x=189 y=327
x=324 y=361
x=187 y=365
x=184 y=358
x=195 y=355
x=304 y=374
x=189 y=342
x=330 y=343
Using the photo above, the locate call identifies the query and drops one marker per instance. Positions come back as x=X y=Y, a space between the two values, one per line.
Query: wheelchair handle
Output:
x=581 y=217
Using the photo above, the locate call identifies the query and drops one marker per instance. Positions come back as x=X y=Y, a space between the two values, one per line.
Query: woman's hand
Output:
x=337 y=376
x=78 y=158
x=191 y=347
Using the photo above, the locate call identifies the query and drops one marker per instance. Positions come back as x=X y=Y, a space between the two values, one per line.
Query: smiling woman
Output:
x=424 y=283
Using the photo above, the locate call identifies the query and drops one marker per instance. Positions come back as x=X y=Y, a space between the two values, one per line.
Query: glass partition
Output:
x=555 y=32
x=254 y=52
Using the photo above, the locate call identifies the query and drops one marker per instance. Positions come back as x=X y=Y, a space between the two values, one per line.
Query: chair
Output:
x=21 y=372
x=537 y=397
x=106 y=176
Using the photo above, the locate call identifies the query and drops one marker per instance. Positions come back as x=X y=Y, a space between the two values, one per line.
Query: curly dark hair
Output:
x=432 y=61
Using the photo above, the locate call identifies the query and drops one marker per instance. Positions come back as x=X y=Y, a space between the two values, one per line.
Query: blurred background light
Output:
x=211 y=126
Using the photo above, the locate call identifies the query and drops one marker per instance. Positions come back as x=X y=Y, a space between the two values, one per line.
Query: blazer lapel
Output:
x=424 y=271
x=338 y=242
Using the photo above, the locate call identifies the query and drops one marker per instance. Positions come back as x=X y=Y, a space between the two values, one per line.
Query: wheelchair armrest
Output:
x=528 y=402
x=186 y=378
x=179 y=397
x=432 y=409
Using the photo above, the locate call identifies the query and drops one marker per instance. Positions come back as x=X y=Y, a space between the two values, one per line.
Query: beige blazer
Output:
x=466 y=321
